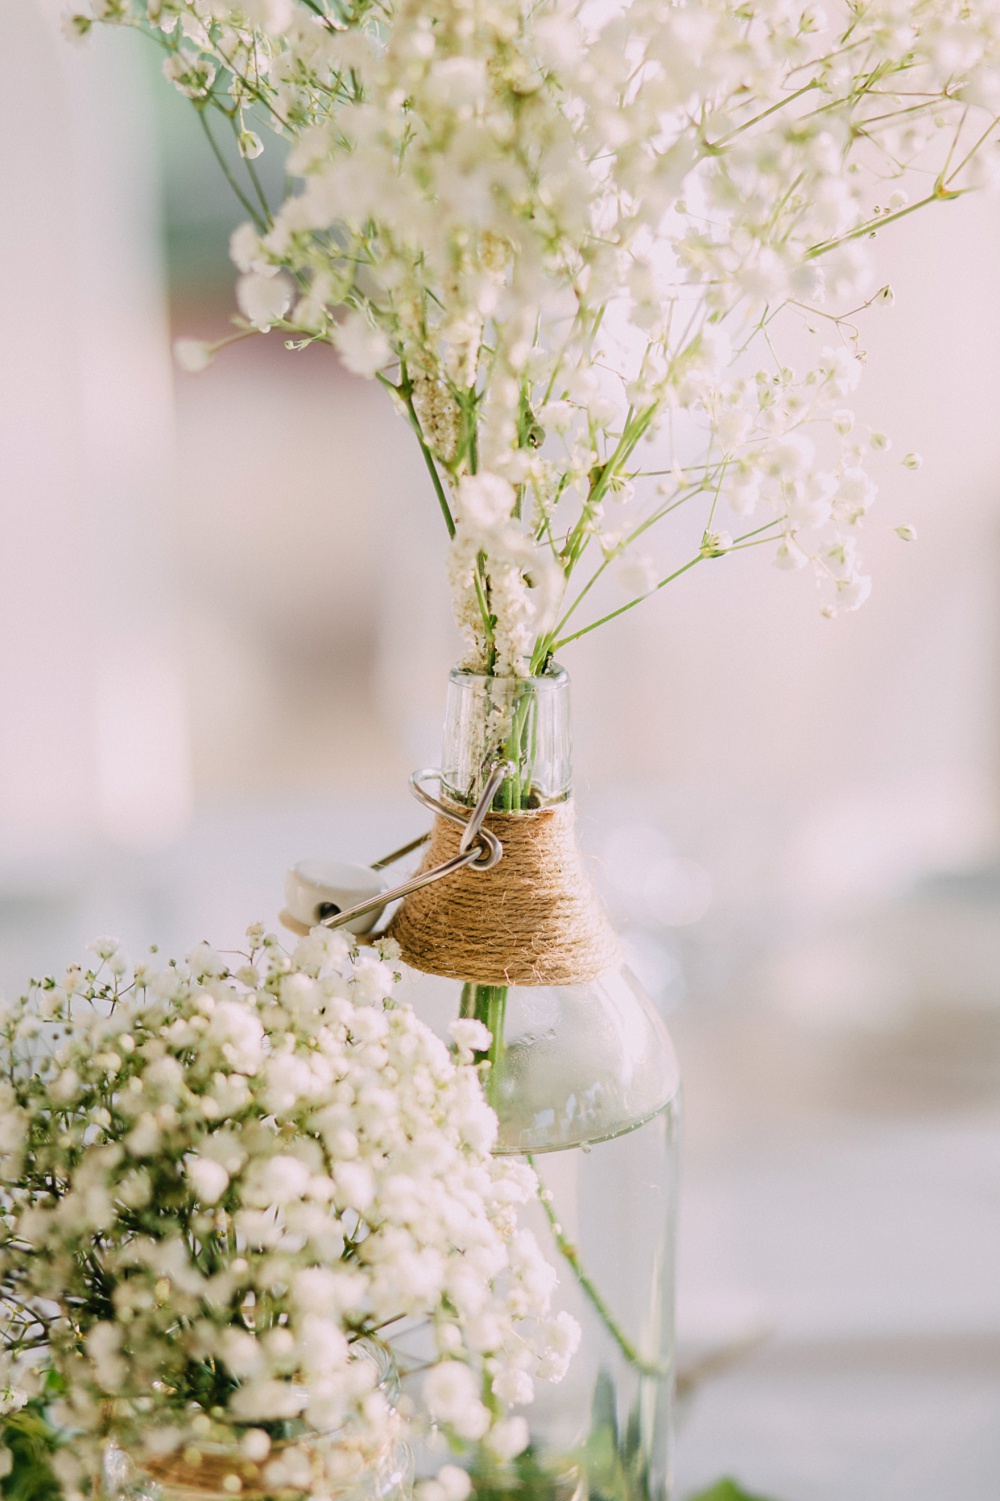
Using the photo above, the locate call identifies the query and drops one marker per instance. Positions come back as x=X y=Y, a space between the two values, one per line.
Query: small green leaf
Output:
x=32 y=1442
x=725 y=1490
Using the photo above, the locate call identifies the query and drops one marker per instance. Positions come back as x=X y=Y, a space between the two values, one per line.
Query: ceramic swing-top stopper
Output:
x=315 y=889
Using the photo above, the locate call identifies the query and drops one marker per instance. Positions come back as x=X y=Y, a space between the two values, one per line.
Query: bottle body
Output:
x=585 y=1084
x=606 y=1427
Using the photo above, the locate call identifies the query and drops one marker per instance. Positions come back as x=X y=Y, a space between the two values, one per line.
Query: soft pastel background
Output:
x=223 y=642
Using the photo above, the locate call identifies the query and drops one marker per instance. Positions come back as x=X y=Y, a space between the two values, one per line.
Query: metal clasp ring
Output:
x=472 y=827
x=479 y=848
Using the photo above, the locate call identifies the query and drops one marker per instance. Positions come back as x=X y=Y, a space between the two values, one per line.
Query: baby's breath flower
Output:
x=191 y=72
x=362 y=349
x=104 y=948
x=263 y=300
x=253 y=1111
x=470 y=1036
x=714 y=544
x=789 y=554
x=571 y=227
x=76 y=26
x=638 y=575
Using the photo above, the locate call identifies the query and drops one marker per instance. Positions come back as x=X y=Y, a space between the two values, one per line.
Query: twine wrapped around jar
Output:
x=345 y=1463
x=534 y=919
x=218 y=1473
x=207 y=1479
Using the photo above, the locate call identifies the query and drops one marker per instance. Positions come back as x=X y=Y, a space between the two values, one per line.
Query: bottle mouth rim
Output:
x=553 y=678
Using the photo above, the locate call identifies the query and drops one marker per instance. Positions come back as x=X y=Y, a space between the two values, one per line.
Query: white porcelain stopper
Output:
x=315 y=889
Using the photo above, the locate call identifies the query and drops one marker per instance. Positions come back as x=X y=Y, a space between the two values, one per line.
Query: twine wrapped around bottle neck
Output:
x=534 y=919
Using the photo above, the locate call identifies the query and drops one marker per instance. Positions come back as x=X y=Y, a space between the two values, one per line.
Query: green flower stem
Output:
x=635 y=426
x=487 y=1004
x=570 y=1254
x=255 y=91
x=584 y=630
x=514 y=792
x=257 y=185
x=481 y=583
x=545 y=647
x=714 y=148
x=940 y=194
x=741 y=543
x=406 y=391
x=217 y=153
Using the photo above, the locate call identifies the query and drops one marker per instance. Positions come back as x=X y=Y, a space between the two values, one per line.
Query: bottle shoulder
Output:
x=582 y=1063
x=579 y=1063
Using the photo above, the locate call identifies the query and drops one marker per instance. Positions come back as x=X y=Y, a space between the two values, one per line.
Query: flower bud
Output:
x=193 y=355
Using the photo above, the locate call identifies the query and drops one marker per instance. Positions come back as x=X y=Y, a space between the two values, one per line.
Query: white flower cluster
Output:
x=225 y=1195
x=559 y=229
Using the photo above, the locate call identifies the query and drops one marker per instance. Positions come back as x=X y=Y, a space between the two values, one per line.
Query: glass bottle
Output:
x=585 y=1084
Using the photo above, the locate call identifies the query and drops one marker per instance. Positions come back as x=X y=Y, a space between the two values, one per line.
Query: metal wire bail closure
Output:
x=472 y=827
x=479 y=849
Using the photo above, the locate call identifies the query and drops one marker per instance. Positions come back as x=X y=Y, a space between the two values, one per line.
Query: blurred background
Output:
x=224 y=637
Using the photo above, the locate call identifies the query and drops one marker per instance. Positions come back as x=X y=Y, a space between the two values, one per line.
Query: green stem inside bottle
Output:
x=487 y=1004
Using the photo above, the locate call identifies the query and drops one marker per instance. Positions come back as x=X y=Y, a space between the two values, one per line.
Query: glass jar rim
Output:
x=554 y=676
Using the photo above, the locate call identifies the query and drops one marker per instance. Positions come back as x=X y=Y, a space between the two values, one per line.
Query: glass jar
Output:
x=219 y=1463
x=584 y=1080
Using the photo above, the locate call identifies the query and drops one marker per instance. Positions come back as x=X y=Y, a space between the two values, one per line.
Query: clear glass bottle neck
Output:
x=523 y=721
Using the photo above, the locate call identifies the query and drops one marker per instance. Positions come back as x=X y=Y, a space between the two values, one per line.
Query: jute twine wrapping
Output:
x=206 y=1480
x=534 y=919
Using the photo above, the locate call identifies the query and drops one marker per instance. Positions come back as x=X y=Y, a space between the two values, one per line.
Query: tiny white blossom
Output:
x=75 y=27
x=104 y=948
x=452 y=1396
x=510 y=1438
x=852 y=593
x=192 y=73
x=470 y=1036
x=715 y=543
x=639 y=575
x=209 y=1179
x=363 y=350
x=246 y=252
x=255 y=1445
x=263 y=300
x=455 y=1483
x=484 y=500
x=272 y=16
x=789 y=554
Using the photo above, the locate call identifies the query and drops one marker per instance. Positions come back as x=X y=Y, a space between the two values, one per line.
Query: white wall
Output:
x=92 y=741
